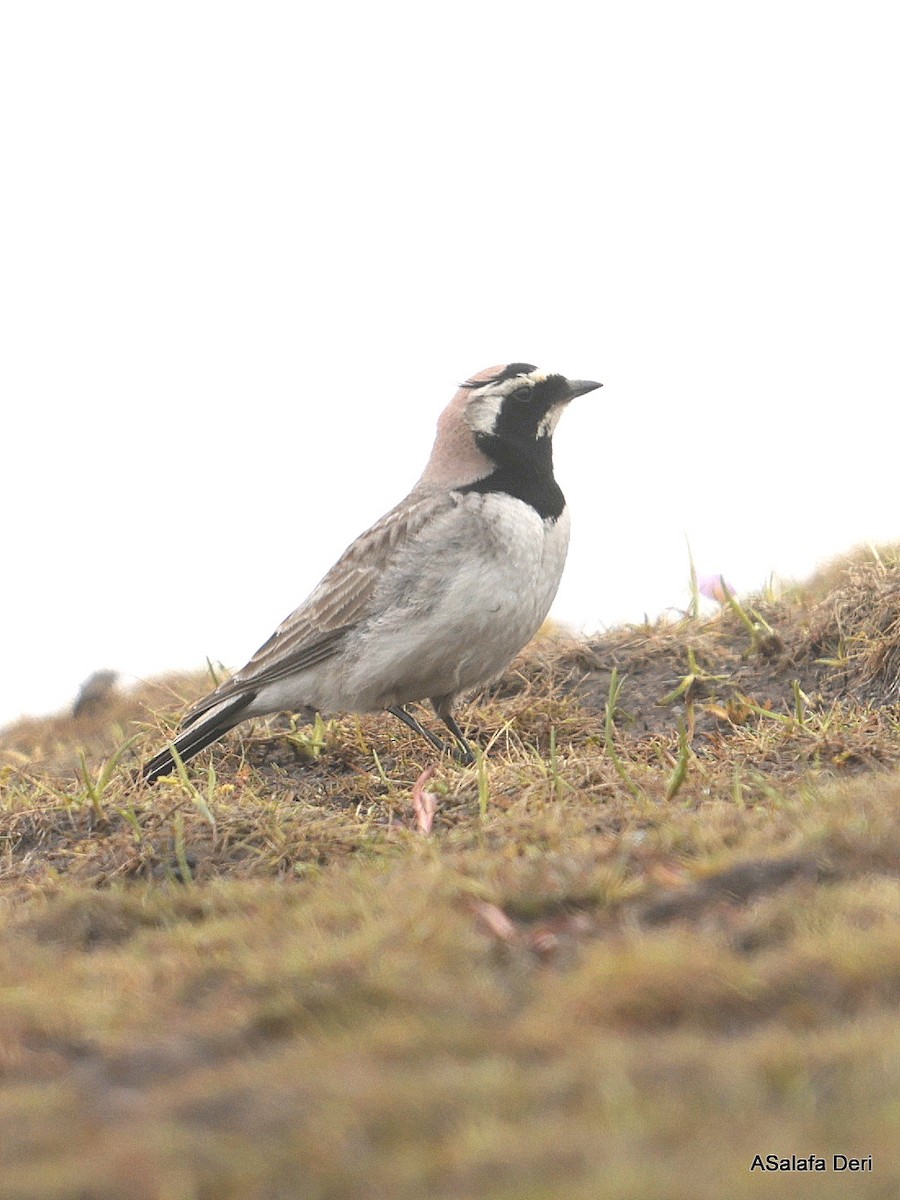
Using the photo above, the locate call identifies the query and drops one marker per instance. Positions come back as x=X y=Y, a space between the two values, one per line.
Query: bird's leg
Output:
x=464 y=750
x=409 y=720
x=443 y=707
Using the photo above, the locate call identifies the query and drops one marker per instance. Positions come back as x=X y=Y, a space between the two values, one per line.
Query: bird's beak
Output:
x=578 y=387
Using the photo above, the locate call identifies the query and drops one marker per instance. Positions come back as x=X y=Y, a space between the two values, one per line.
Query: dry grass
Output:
x=637 y=948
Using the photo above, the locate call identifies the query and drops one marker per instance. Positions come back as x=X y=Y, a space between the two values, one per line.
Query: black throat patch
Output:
x=520 y=447
x=525 y=479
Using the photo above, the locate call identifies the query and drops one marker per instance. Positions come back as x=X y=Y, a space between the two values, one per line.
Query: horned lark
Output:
x=440 y=594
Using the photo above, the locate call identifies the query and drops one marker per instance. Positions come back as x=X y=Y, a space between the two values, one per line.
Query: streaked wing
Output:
x=314 y=631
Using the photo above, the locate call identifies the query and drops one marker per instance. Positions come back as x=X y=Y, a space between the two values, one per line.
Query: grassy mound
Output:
x=651 y=934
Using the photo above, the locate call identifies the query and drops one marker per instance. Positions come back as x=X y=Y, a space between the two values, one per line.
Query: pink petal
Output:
x=496 y=920
x=424 y=803
x=711 y=586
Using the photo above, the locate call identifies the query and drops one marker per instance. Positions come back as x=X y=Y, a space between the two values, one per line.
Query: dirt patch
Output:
x=833 y=643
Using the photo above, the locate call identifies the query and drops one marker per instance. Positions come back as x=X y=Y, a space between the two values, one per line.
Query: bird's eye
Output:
x=521 y=393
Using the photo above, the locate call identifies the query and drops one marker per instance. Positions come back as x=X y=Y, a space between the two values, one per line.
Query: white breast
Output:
x=459 y=604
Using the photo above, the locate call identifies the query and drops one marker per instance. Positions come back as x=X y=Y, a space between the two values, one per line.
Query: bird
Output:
x=439 y=595
x=96 y=690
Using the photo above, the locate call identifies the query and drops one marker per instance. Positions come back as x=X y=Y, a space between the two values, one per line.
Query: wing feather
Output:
x=314 y=631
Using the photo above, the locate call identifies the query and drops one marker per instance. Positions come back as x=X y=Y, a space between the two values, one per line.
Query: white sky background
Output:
x=249 y=250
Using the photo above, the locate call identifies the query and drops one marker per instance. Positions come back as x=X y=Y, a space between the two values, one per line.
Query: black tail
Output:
x=206 y=728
